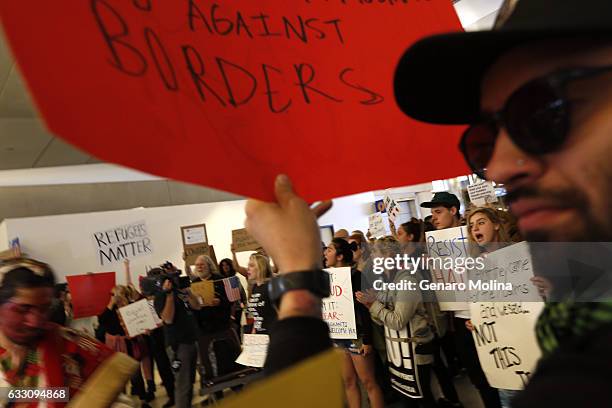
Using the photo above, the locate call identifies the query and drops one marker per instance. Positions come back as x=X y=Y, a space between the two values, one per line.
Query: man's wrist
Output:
x=299 y=303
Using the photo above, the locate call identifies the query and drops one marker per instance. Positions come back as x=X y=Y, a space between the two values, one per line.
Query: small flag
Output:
x=232 y=288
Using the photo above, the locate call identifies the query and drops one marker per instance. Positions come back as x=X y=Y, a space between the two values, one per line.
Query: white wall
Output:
x=66 y=241
x=3 y=236
x=350 y=212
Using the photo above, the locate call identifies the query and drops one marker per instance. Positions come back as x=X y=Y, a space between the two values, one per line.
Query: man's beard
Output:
x=30 y=341
x=586 y=229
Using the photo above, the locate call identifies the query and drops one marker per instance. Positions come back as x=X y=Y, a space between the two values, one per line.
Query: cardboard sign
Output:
x=338 y=309
x=504 y=334
x=445 y=244
x=391 y=207
x=90 y=293
x=195 y=243
x=482 y=193
x=254 y=350
x=377 y=225
x=511 y=264
x=401 y=362
x=161 y=82
x=205 y=290
x=123 y=242
x=138 y=318
x=243 y=241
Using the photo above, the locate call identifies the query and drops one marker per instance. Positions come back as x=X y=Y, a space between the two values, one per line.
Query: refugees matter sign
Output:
x=155 y=84
x=124 y=242
x=447 y=245
x=338 y=308
x=504 y=334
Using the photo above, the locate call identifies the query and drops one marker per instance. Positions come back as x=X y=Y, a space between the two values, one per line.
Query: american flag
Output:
x=232 y=288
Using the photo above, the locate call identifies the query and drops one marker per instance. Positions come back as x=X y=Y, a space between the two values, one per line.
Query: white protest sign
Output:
x=195 y=235
x=512 y=265
x=138 y=317
x=377 y=225
x=482 y=193
x=391 y=207
x=158 y=321
x=338 y=309
x=123 y=242
x=445 y=246
x=504 y=335
x=254 y=350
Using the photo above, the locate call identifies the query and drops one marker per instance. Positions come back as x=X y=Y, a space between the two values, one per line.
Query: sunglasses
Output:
x=536 y=117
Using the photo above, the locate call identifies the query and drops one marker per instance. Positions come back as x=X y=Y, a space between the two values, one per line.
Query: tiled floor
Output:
x=467 y=393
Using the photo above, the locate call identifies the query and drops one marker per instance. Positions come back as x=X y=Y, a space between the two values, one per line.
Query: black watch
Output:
x=315 y=281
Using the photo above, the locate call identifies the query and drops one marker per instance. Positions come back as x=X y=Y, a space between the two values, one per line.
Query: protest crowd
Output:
x=528 y=323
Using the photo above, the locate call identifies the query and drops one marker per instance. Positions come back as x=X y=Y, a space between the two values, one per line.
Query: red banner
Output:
x=90 y=293
x=229 y=94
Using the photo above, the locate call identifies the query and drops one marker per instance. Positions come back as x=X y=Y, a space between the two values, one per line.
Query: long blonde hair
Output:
x=264 y=270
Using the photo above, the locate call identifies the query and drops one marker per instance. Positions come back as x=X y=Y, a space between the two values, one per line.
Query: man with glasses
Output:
x=536 y=92
x=35 y=353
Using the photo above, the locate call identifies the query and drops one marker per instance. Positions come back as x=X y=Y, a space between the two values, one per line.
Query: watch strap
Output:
x=316 y=281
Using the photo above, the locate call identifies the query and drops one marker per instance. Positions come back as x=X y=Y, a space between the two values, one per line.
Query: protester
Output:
x=445 y=210
x=487 y=233
x=358 y=356
x=116 y=339
x=411 y=236
x=226 y=267
x=61 y=310
x=445 y=214
x=341 y=233
x=214 y=321
x=29 y=342
x=537 y=108
x=176 y=308
x=362 y=253
x=403 y=311
x=261 y=312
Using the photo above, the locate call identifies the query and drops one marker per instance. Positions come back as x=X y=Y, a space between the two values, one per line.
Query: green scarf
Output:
x=563 y=321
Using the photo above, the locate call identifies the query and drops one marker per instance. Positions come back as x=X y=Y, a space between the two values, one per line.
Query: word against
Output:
x=124 y=242
x=338 y=308
x=504 y=334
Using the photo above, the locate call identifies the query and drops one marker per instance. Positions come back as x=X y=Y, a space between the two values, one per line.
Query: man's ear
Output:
x=453 y=211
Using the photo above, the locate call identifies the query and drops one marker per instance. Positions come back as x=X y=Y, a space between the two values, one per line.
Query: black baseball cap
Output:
x=443 y=198
x=438 y=78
